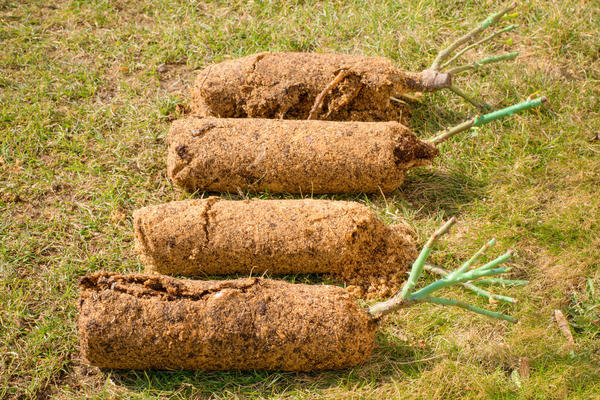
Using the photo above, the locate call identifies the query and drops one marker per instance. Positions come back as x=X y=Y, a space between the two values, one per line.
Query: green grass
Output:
x=87 y=91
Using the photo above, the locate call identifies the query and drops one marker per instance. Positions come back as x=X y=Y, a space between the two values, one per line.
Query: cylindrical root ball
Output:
x=158 y=322
x=211 y=236
x=286 y=156
x=286 y=85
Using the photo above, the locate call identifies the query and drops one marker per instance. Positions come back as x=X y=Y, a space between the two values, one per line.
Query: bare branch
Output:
x=486 y=39
x=488 y=60
x=472 y=35
x=487 y=118
x=481 y=292
x=476 y=103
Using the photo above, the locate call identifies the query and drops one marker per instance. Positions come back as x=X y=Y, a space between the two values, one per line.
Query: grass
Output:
x=87 y=91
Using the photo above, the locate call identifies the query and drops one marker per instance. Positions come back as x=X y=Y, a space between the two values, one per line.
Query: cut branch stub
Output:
x=486 y=39
x=488 y=60
x=419 y=263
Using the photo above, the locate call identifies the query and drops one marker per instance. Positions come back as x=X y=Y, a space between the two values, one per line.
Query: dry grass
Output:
x=87 y=89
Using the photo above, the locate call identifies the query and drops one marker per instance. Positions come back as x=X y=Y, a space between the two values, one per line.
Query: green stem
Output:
x=473 y=259
x=508 y=111
x=487 y=118
x=488 y=60
x=405 y=297
x=476 y=274
x=477 y=290
x=442 y=283
x=471 y=35
x=456 y=303
x=496 y=262
x=401 y=299
x=455 y=130
x=389 y=306
x=502 y=281
x=415 y=272
x=417 y=267
x=469 y=99
x=486 y=39
x=453 y=279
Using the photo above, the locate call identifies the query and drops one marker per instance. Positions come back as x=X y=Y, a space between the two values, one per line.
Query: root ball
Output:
x=344 y=240
x=158 y=322
x=285 y=156
x=286 y=85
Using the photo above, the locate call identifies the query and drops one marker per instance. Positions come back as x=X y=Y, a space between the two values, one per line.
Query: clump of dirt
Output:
x=286 y=156
x=343 y=239
x=157 y=322
x=286 y=85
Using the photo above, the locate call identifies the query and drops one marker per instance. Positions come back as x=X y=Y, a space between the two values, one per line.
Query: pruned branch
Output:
x=445 y=57
x=502 y=281
x=469 y=99
x=475 y=289
x=486 y=39
x=487 y=118
x=466 y=306
x=417 y=267
x=488 y=60
x=407 y=296
x=470 y=36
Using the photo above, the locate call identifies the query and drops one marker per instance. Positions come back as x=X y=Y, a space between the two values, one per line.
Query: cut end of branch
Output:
x=446 y=227
x=487 y=118
x=440 y=232
x=473 y=34
x=435 y=80
x=428 y=80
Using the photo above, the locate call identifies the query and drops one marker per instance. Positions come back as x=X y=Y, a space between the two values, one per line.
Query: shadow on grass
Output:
x=430 y=192
x=427 y=118
x=389 y=360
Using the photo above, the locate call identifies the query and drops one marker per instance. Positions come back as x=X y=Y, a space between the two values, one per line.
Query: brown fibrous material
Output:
x=158 y=322
x=286 y=85
x=345 y=240
x=287 y=156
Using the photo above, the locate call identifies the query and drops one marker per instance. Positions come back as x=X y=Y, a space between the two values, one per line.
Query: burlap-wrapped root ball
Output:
x=303 y=157
x=286 y=85
x=342 y=239
x=158 y=322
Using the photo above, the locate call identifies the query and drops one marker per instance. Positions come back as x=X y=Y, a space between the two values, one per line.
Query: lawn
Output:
x=87 y=92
